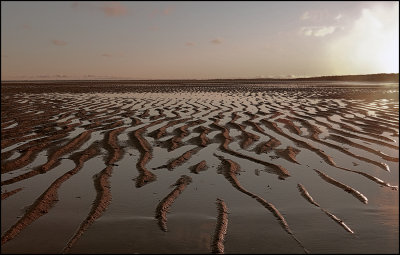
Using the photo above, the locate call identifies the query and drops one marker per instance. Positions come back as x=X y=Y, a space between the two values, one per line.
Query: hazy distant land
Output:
x=380 y=77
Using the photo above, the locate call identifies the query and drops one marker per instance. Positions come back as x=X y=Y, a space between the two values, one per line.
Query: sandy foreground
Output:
x=115 y=167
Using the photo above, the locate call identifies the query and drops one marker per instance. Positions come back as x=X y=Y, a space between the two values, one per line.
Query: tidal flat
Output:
x=199 y=167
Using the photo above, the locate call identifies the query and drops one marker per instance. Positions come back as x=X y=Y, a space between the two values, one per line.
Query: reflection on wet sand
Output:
x=325 y=137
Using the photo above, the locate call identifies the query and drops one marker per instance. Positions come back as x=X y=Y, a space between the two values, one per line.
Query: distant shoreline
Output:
x=381 y=77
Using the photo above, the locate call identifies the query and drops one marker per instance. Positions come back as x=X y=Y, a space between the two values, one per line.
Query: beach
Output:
x=199 y=167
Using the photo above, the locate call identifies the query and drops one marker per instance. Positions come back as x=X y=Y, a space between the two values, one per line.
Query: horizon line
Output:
x=195 y=79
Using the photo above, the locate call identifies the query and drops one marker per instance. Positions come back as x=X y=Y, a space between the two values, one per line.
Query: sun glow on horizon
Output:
x=371 y=45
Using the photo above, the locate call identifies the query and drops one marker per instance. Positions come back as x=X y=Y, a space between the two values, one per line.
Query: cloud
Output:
x=168 y=10
x=59 y=42
x=314 y=15
x=164 y=12
x=190 y=44
x=216 y=41
x=305 y=16
x=317 y=31
x=338 y=17
x=323 y=31
x=319 y=16
x=370 y=44
x=106 y=55
x=111 y=9
x=114 y=9
x=75 y=5
x=83 y=6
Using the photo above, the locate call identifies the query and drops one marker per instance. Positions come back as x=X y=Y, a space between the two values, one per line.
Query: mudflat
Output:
x=199 y=167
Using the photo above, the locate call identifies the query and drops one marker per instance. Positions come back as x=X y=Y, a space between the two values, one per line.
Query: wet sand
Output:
x=199 y=167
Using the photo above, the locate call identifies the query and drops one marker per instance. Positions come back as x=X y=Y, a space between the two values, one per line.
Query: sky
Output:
x=197 y=40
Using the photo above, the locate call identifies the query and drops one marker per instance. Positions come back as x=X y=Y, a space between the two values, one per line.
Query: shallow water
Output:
x=125 y=221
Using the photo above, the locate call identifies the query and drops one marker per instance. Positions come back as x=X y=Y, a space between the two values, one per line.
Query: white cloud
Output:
x=371 y=44
x=315 y=16
x=317 y=31
x=306 y=31
x=323 y=31
x=305 y=16
x=338 y=17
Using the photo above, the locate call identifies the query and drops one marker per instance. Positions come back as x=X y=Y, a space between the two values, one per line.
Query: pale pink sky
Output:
x=197 y=40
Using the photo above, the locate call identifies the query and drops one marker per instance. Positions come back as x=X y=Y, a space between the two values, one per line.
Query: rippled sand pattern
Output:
x=140 y=169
